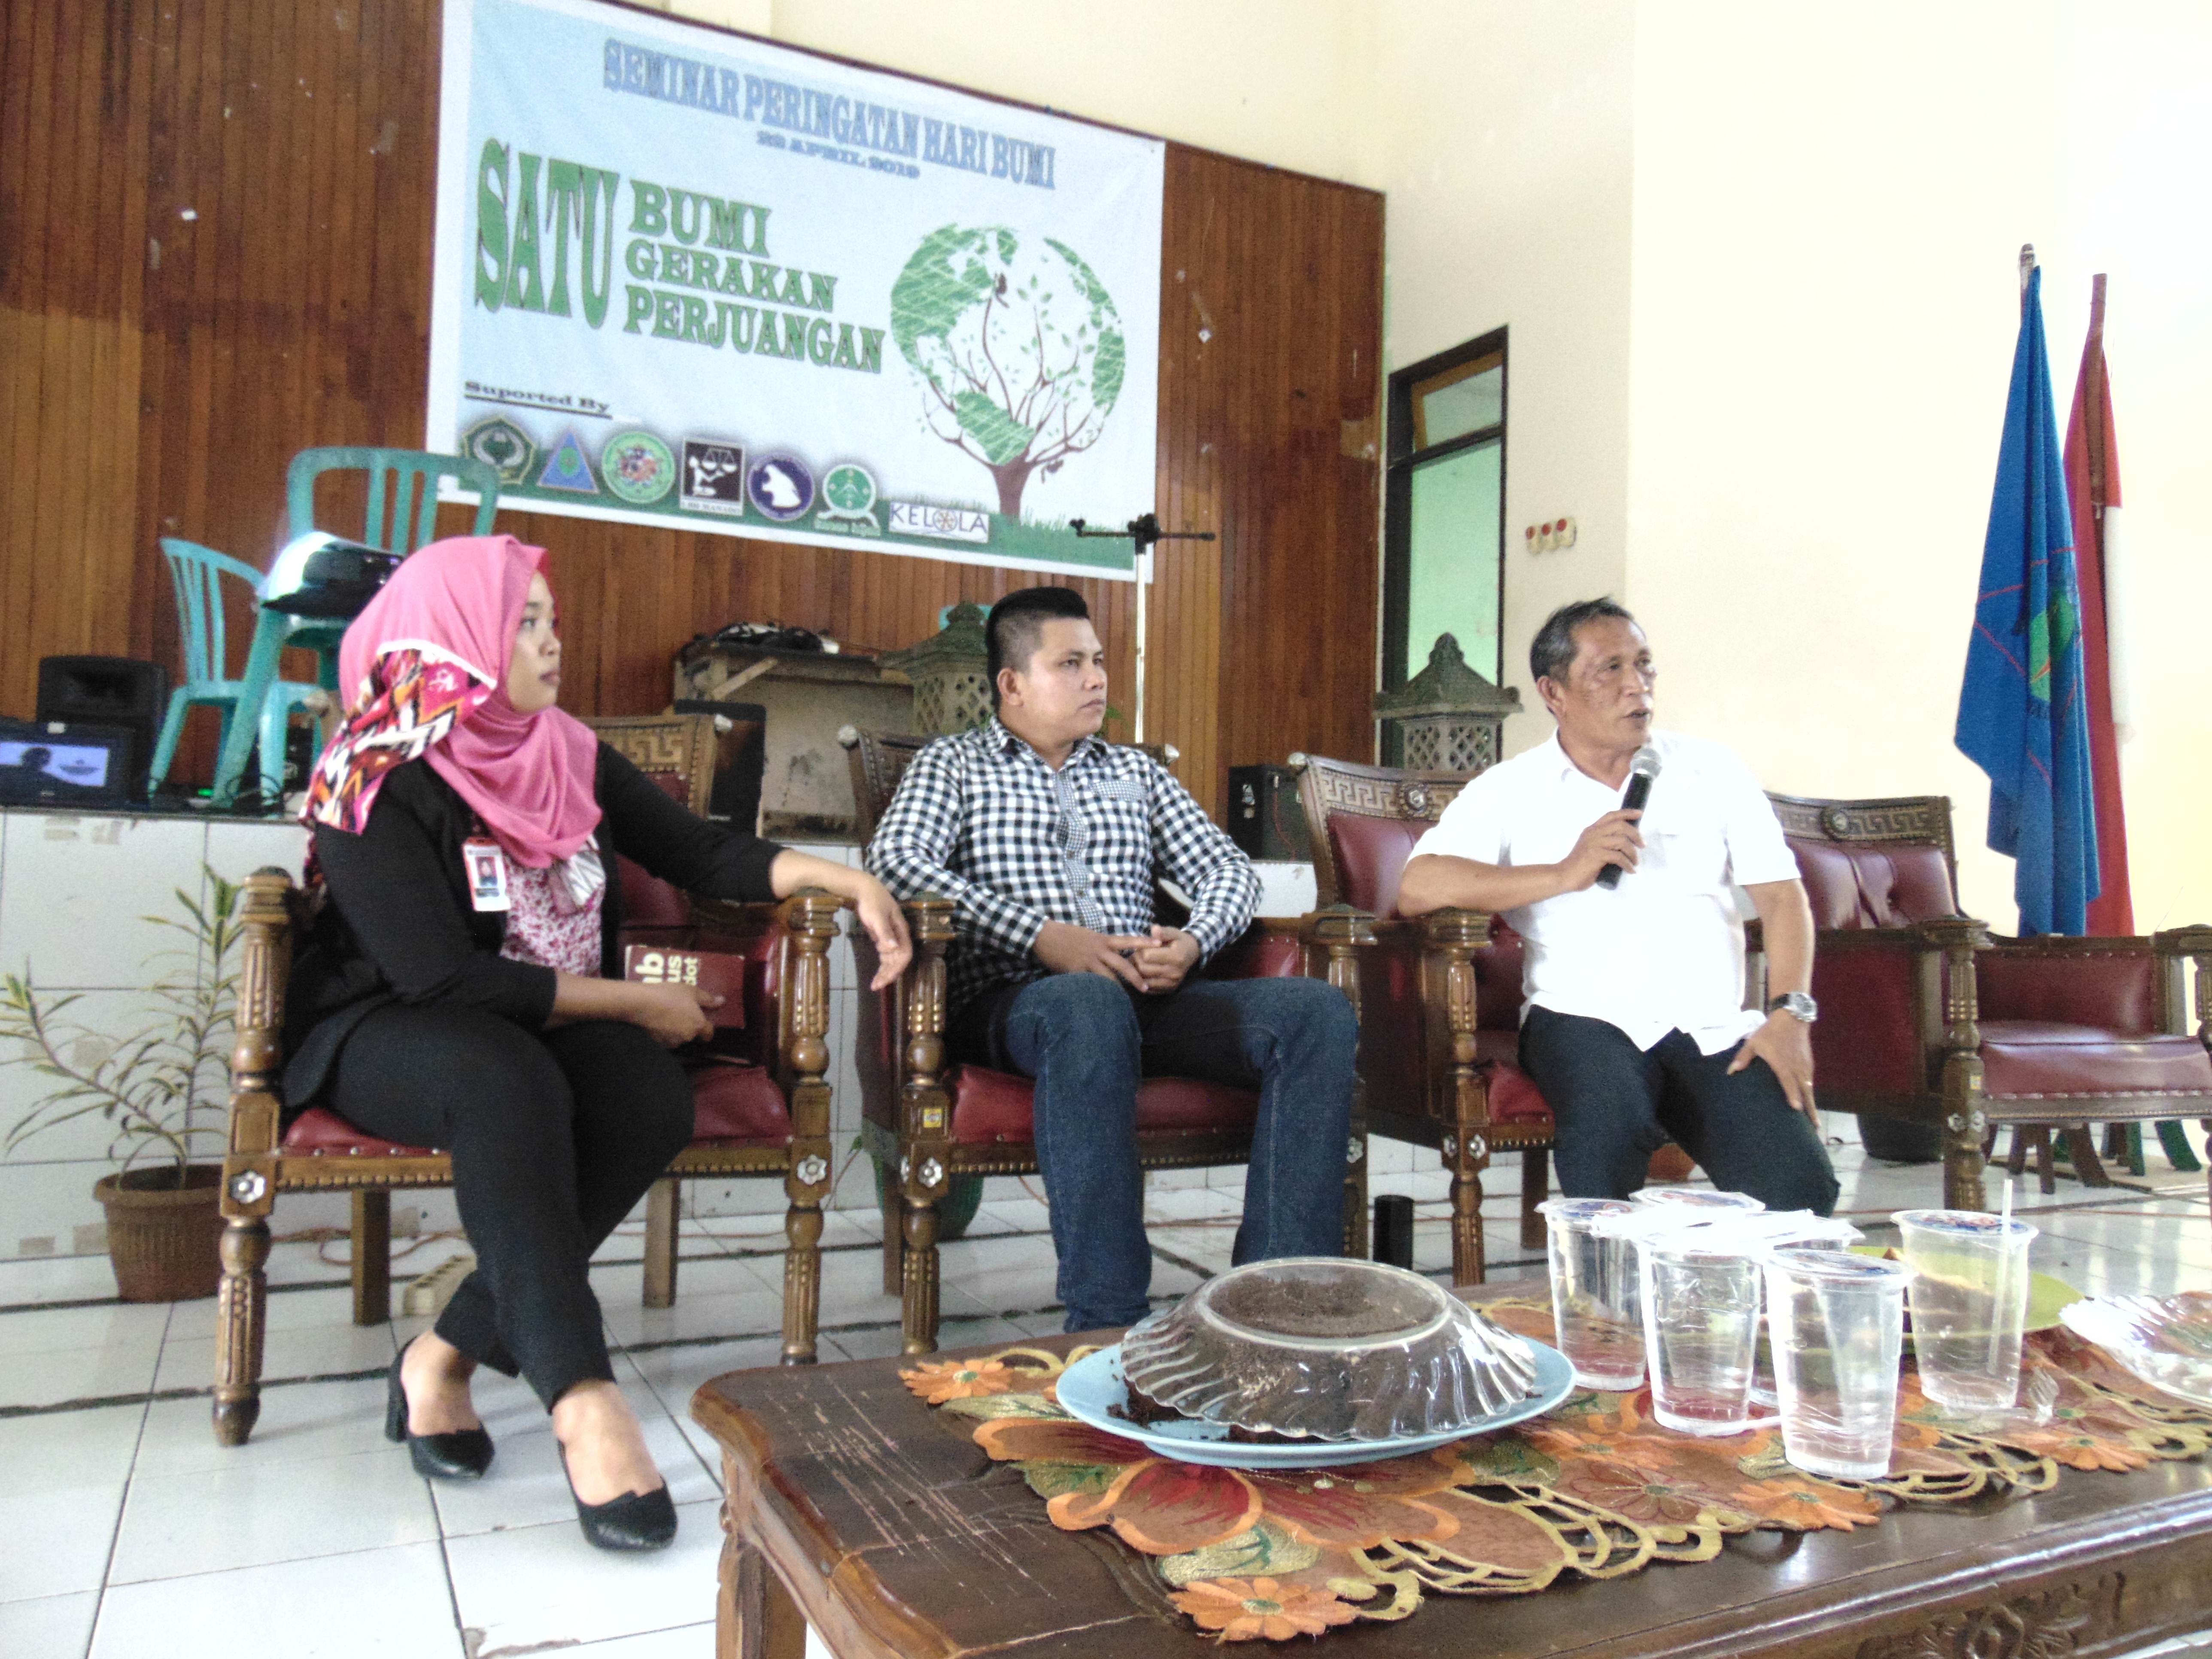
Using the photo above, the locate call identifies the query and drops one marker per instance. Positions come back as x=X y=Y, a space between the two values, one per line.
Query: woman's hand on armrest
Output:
x=872 y=902
x=672 y=1015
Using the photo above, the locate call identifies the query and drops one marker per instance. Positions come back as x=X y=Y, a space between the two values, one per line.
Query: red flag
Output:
x=2093 y=483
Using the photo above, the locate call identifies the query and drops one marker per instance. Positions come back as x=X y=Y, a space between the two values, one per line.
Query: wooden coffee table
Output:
x=853 y=1503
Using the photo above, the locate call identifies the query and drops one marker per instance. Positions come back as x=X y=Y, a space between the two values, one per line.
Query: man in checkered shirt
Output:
x=1050 y=842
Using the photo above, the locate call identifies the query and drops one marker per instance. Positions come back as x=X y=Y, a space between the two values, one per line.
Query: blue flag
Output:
x=2023 y=714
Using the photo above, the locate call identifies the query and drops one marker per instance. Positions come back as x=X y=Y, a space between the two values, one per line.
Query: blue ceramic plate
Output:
x=1093 y=1385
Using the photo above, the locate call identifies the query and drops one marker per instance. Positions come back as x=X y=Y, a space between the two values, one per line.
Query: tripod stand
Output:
x=1143 y=530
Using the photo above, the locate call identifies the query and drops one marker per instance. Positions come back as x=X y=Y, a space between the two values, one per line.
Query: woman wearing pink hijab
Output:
x=452 y=989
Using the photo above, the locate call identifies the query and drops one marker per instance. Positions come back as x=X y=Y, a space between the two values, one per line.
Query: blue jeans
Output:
x=1087 y=1040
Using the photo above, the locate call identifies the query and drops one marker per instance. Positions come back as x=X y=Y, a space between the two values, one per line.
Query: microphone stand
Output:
x=1143 y=531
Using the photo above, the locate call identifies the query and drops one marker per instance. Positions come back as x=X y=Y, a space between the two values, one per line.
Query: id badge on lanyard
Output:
x=486 y=864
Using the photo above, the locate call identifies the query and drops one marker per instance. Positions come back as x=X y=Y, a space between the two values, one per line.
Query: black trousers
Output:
x=554 y=1136
x=1616 y=1104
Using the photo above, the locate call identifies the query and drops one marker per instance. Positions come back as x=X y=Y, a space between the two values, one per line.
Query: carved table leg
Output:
x=1966 y=1120
x=238 y=1331
x=755 y=1617
x=887 y=1195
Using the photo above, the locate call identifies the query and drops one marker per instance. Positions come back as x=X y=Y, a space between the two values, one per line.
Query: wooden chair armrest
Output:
x=2058 y=946
x=2192 y=941
x=740 y=915
x=1451 y=927
x=1945 y=933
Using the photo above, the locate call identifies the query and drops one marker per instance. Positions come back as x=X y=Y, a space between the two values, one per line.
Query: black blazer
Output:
x=399 y=927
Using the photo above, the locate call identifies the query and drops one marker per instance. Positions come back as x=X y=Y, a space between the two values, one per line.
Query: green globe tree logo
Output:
x=1017 y=346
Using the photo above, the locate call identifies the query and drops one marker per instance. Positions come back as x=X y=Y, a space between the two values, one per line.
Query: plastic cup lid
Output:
x=1966 y=1227
x=1581 y=1209
x=1819 y=1261
x=1697 y=1198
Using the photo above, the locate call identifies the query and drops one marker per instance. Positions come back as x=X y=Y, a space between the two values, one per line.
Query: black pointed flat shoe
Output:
x=634 y=1521
x=464 y=1454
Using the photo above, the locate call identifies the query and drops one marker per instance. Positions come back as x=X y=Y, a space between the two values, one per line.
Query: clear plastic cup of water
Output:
x=1594 y=1294
x=1700 y=1333
x=1696 y=1197
x=1839 y=1325
x=1969 y=1298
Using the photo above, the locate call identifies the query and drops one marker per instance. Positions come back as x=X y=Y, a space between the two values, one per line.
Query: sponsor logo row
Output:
x=712 y=476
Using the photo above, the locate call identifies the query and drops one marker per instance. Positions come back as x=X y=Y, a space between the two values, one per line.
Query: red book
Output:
x=710 y=970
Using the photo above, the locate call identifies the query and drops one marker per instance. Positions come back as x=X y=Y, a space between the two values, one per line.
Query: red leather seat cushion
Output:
x=1370 y=856
x=1514 y=1096
x=731 y=1101
x=991 y=1107
x=1874 y=884
x=2031 y=1059
x=320 y=1133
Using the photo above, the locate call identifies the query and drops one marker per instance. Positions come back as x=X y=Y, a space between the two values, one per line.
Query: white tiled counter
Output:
x=75 y=893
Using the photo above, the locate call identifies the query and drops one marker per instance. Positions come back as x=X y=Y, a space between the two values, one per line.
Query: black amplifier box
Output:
x=1265 y=818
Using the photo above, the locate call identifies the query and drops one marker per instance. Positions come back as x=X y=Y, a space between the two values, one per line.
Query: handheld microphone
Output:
x=1641 y=771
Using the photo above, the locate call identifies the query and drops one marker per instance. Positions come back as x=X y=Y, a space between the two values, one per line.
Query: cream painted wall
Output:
x=1504 y=144
x=1829 y=204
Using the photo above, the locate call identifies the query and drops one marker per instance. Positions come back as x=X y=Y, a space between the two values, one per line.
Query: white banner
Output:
x=683 y=277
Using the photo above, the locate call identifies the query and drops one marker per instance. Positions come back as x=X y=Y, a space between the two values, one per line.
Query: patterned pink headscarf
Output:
x=427 y=664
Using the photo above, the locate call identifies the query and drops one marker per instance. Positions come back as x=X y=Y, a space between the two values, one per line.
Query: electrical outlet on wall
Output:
x=1549 y=537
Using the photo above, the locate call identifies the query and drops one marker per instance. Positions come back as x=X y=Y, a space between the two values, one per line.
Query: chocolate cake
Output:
x=1322 y=1348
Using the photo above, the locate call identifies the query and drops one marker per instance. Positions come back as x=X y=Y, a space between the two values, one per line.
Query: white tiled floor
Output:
x=129 y=1532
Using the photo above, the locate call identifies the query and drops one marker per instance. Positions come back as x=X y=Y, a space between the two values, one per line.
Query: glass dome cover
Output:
x=1328 y=1347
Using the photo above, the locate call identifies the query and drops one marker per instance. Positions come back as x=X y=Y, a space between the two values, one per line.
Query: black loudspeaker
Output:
x=1394 y=1230
x=740 y=758
x=1265 y=818
x=118 y=692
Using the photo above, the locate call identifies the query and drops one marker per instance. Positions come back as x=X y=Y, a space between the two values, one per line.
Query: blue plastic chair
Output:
x=197 y=574
x=402 y=515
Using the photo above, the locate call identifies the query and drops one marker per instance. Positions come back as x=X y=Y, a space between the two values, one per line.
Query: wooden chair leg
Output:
x=1355 y=1200
x=663 y=1206
x=918 y=1285
x=1466 y=1154
x=802 y=1280
x=2086 y=1168
x=372 y=1257
x=2179 y=1152
x=1535 y=1188
x=241 y=1307
x=887 y=1195
x=2023 y=1136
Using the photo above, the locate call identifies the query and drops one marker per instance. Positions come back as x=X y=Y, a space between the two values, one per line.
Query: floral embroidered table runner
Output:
x=1596 y=1487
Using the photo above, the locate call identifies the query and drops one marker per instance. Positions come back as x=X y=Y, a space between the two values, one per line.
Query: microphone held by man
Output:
x=1641 y=771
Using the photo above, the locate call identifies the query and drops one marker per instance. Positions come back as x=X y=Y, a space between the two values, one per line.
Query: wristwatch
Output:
x=1796 y=1005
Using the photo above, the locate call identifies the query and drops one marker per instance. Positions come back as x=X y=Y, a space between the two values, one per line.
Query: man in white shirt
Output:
x=1634 y=1026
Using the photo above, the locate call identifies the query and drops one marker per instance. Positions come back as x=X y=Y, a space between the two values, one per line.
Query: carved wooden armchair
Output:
x=1924 y=1015
x=932 y=1121
x=762 y=1104
x=1440 y=1031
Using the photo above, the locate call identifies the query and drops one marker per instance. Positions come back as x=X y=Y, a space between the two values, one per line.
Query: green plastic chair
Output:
x=195 y=573
x=402 y=515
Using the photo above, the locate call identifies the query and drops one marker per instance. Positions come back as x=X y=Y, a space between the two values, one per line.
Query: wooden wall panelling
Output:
x=157 y=373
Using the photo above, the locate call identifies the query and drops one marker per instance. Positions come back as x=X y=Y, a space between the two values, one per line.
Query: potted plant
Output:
x=159 y=1085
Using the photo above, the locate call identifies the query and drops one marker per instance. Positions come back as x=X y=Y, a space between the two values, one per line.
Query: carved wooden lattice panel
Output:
x=1449 y=742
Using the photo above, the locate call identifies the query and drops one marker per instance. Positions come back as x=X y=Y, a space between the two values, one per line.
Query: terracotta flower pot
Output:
x=162 y=1239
